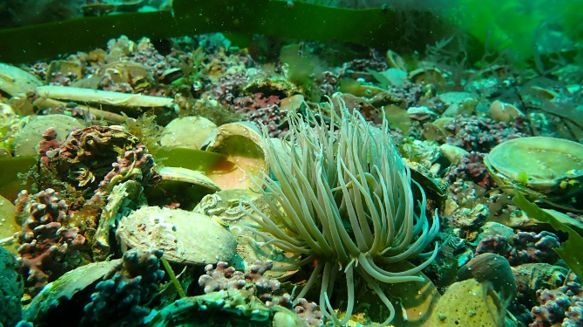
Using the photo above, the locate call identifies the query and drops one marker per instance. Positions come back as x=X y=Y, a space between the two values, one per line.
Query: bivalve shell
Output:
x=551 y=167
x=184 y=236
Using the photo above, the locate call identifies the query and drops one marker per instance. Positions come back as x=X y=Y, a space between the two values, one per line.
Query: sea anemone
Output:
x=344 y=201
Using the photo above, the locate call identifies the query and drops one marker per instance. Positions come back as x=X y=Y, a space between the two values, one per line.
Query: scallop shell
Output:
x=185 y=237
x=547 y=166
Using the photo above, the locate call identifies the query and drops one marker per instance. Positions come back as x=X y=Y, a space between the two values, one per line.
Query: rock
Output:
x=452 y=153
x=189 y=132
x=184 y=236
x=468 y=303
x=502 y=111
x=494 y=269
x=27 y=139
x=421 y=113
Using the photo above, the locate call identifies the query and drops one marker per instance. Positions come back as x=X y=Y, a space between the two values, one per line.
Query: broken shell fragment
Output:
x=184 y=236
x=186 y=187
x=183 y=175
x=66 y=287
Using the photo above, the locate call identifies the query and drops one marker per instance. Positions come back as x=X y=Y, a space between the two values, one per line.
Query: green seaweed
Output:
x=371 y=27
x=570 y=250
x=188 y=158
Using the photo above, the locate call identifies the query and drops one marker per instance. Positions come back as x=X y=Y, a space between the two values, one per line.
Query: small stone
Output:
x=452 y=153
x=502 y=111
x=421 y=113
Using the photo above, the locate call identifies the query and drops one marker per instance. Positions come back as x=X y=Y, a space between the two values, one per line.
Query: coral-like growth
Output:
x=263 y=110
x=121 y=298
x=561 y=306
x=224 y=277
x=49 y=246
x=481 y=134
x=47 y=145
x=94 y=159
x=472 y=167
x=308 y=312
x=522 y=247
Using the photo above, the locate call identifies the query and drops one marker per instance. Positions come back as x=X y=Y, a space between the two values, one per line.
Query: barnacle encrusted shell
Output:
x=184 y=236
x=540 y=166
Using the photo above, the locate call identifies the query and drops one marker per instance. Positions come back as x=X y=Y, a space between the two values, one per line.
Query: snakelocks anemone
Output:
x=344 y=202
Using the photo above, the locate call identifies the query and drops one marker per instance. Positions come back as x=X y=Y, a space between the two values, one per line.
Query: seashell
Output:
x=8 y=225
x=15 y=81
x=66 y=287
x=26 y=140
x=117 y=99
x=468 y=303
x=242 y=145
x=185 y=237
x=193 y=132
x=452 y=153
x=278 y=86
x=492 y=268
x=542 y=167
x=459 y=103
x=123 y=197
x=428 y=75
x=170 y=75
x=421 y=113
